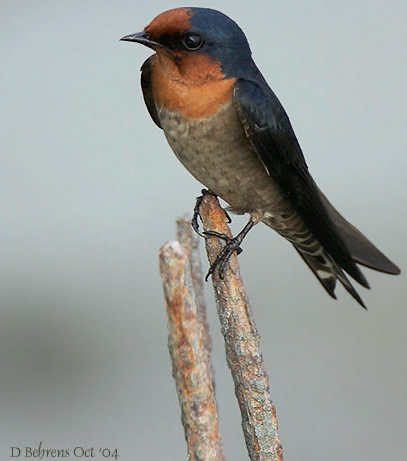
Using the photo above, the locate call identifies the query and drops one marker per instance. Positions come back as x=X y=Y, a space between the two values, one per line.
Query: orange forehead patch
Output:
x=170 y=22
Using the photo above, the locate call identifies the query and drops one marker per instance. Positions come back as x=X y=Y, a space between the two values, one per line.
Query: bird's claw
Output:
x=232 y=244
x=196 y=215
x=227 y=216
x=194 y=220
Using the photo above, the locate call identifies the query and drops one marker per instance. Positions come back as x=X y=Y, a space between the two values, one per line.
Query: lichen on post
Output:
x=242 y=343
x=190 y=360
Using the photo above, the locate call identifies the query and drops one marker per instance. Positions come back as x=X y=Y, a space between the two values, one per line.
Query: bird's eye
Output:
x=192 y=42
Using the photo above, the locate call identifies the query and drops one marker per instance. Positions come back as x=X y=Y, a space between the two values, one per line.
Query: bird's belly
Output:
x=217 y=153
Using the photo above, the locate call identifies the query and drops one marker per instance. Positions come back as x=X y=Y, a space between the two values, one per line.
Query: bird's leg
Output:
x=194 y=221
x=232 y=244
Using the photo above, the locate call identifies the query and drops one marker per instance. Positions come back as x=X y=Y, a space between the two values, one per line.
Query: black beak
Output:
x=143 y=38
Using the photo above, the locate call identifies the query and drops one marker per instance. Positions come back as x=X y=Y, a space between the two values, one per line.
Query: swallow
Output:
x=230 y=131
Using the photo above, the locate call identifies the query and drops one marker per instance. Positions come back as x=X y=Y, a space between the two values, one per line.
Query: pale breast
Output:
x=216 y=152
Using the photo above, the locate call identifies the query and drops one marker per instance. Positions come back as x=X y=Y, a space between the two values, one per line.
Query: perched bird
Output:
x=227 y=127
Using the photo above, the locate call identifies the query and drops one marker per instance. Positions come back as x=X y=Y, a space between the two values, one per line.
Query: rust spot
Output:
x=192 y=84
x=279 y=451
x=170 y=22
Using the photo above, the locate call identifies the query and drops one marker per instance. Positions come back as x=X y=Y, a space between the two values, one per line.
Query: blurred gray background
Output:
x=89 y=191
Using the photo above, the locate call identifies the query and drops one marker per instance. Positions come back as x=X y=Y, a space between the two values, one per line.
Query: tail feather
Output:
x=362 y=250
x=327 y=272
x=327 y=267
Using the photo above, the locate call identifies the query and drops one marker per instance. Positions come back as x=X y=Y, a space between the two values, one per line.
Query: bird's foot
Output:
x=232 y=244
x=194 y=221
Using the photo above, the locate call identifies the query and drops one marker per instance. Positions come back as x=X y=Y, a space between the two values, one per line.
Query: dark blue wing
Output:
x=269 y=131
x=147 y=91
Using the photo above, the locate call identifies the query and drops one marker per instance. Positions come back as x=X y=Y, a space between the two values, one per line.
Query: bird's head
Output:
x=200 y=43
